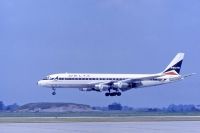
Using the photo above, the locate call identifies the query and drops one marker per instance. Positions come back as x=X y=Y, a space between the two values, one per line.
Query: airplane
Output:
x=114 y=84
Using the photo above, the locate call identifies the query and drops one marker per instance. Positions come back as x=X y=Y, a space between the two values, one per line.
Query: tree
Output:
x=1 y=106
x=181 y=108
x=115 y=106
x=12 y=107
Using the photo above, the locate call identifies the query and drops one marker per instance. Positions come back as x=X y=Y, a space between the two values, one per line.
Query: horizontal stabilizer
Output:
x=188 y=75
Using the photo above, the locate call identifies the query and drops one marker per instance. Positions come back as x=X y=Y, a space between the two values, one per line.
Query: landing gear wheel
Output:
x=119 y=93
x=107 y=94
x=54 y=93
x=113 y=94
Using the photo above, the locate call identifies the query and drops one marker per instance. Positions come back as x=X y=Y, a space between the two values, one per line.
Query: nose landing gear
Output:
x=54 y=91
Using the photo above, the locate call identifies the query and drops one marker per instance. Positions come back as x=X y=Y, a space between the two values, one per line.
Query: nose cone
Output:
x=40 y=83
x=44 y=83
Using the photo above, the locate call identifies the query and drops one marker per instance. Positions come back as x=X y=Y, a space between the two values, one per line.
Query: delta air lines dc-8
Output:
x=114 y=84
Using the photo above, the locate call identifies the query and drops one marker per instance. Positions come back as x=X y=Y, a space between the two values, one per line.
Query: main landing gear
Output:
x=113 y=94
x=54 y=91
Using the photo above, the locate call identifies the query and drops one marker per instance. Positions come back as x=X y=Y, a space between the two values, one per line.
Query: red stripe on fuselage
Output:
x=170 y=73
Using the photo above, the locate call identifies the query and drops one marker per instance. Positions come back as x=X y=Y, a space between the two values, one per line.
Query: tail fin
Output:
x=175 y=66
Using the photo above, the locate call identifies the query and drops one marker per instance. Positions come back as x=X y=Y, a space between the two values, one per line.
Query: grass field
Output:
x=97 y=119
x=95 y=114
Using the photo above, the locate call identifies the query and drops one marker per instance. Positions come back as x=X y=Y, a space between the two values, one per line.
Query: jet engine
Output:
x=101 y=87
x=120 y=85
x=85 y=89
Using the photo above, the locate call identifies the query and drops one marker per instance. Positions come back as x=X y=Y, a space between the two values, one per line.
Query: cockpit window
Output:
x=46 y=78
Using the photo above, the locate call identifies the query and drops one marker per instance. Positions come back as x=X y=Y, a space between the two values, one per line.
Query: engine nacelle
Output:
x=85 y=89
x=120 y=85
x=101 y=87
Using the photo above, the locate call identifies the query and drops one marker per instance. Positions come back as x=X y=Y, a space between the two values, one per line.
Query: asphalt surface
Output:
x=101 y=127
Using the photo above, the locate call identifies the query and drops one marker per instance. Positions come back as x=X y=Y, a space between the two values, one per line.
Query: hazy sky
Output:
x=40 y=37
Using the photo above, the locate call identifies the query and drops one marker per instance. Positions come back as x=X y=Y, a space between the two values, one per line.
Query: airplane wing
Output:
x=128 y=81
x=142 y=78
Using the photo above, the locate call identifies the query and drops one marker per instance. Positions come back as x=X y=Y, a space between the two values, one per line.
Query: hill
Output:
x=53 y=107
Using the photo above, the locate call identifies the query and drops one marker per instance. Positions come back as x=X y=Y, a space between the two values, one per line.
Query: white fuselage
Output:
x=76 y=80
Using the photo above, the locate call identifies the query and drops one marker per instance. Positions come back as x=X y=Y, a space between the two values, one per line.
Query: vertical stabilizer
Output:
x=174 y=67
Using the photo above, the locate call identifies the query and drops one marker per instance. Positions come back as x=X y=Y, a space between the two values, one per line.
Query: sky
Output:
x=41 y=37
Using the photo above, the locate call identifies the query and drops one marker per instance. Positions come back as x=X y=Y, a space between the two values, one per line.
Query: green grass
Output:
x=95 y=114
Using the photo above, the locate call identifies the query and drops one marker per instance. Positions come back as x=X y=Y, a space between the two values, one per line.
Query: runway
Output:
x=101 y=127
x=136 y=124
